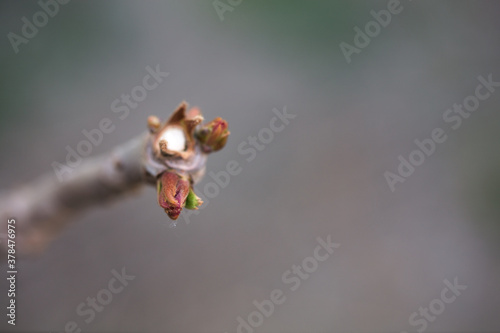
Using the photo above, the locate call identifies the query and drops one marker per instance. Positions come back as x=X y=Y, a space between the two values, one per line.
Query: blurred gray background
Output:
x=322 y=175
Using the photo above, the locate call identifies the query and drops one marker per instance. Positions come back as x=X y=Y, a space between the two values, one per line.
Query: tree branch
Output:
x=171 y=156
x=41 y=209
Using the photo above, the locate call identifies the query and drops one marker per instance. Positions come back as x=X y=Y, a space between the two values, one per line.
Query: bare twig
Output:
x=43 y=207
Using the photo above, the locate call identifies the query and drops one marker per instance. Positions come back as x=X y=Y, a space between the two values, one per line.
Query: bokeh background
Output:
x=323 y=175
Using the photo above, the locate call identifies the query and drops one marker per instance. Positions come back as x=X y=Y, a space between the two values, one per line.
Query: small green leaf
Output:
x=193 y=201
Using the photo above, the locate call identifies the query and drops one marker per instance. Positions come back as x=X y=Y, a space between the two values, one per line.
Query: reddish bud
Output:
x=173 y=190
x=213 y=136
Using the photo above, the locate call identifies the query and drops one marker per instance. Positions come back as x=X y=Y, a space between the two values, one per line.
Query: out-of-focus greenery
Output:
x=64 y=49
